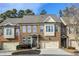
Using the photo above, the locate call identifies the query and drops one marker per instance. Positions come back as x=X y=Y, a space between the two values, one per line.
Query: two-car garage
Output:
x=43 y=44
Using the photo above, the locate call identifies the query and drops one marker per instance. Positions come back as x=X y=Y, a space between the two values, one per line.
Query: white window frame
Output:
x=34 y=28
x=8 y=31
x=11 y=33
x=23 y=28
x=49 y=33
x=49 y=28
x=29 y=29
x=41 y=28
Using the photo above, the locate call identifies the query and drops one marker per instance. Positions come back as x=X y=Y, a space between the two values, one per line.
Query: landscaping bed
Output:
x=27 y=52
x=70 y=49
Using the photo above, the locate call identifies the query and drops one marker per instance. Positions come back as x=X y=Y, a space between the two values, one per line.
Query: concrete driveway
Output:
x=43 y=52
x=4 y=53
x=54 y=52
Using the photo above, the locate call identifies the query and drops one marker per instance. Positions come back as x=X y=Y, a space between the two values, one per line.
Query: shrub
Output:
x=18 y=47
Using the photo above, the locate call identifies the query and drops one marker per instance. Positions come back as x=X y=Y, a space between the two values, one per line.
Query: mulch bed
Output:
x=29 y=52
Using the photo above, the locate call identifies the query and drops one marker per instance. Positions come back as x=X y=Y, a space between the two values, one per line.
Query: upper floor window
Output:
x=24 y=28
x=29 y=29
x=34 y=29
x=41 y=28
x=49 y=28
x=8 y=31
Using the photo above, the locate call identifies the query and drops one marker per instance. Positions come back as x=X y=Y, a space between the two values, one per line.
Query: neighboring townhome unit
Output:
x=70 y=27
x=42 y=31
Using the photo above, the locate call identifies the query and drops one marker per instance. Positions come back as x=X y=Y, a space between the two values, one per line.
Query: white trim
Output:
x=9 y=36
x=9 y=24
x=49 y=18
x=49 y=33
x=24 y=28
x=63 y=21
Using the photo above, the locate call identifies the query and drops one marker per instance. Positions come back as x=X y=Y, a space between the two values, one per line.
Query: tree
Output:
x=3 y=16
x=29 y=12
x=8 y=13
x=60 y=13
x=43 y=12
x=70 y=11
x=21 y=13
x=14 y=13
x=66 y=12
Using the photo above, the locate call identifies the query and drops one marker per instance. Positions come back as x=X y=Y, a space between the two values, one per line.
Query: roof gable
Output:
x=49 y=19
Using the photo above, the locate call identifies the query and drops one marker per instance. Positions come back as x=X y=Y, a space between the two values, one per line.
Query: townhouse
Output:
x=40 y=31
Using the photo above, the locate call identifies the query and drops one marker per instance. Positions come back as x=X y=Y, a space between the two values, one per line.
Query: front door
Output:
x=29 y=42
x=63 y=42
x=34 y=41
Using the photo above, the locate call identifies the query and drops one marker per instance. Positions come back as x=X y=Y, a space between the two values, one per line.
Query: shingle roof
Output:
x=29 y=19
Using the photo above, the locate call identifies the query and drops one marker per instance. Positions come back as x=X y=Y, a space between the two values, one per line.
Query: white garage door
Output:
x=10 y=46
x=54 y=44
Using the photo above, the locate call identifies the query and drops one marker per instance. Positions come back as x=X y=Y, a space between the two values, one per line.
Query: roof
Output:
x=29 y=19
x=70 y=20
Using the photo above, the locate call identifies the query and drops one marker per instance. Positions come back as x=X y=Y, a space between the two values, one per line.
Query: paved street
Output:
x=49 y=52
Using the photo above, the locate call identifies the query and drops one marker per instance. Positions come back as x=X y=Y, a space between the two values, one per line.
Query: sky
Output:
x=51 y=8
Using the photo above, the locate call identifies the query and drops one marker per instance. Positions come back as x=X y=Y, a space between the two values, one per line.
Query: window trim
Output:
x=24 y=29
x=41 y=28
x=34 y=28
x=8 y=31
x=49 y=28
x=29 y=31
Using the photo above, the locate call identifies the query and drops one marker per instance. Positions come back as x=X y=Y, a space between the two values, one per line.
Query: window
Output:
x=34 y=29
x=29 y=29
x=8 y=31
x=24 y=28
x=49 y=28
x=41 y=28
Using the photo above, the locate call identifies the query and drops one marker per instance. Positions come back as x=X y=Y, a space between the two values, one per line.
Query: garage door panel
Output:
x=50 y=44
x=10 y=46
